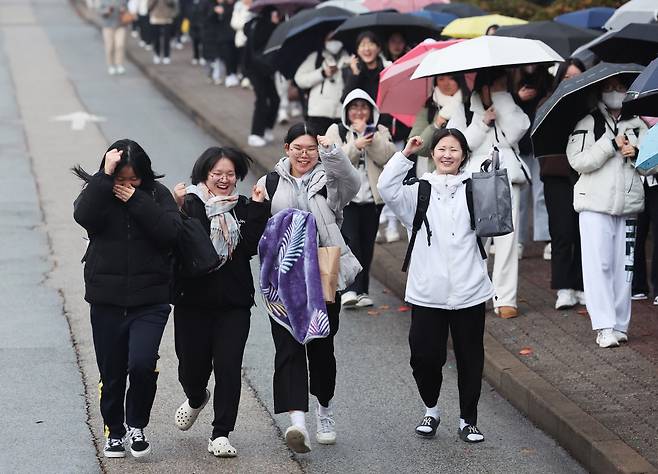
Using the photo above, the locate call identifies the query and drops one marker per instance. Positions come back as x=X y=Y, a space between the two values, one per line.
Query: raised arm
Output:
x=343 y=180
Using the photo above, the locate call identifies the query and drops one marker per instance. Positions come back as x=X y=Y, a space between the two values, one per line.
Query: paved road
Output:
x=55 y=67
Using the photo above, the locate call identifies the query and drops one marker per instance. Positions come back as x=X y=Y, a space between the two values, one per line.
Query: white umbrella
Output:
x=354 y=6
x=635 y=11
x=484 y=52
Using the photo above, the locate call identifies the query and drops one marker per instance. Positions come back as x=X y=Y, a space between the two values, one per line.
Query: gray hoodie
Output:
x=342 y=181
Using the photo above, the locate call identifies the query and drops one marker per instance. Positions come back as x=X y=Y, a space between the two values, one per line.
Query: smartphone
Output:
x=370 y=129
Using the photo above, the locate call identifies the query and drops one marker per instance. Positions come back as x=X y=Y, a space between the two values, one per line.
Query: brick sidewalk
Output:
x=596 y=402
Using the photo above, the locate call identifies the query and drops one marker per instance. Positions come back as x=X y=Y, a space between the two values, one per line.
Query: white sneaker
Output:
x=269 y=134
x=245 y=83
x=202 y=61
x=655 y=301
x=195 y=62
x=142 y=44
x=111 y=70
x=297 y=439
x=639 y=296
x=149 y=47
x=520 y=251
x=231 y=81
x=566 y=299
x=178 y=45
x=392 y=234
x=348 y=298
x=256 y=141
x=620 y=336
x=186 y=415
x=364 y=301
x=134 y=33
x=580 y=296
x=156 y=60
x=166 y=61
x=121 y=69
x=606 y=338
x=548 y=251
x=282 y=117
x=221 y=448
x=326 y=433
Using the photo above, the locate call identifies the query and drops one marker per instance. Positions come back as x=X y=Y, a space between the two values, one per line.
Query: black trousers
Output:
x=360 y=224
x=428 y=337
x=126 y=341
x=291 y=377
x=145 y=29
x=210 y=340
x=321 y=124
x=566 y=265
x=195 y=34
x=647 y=219
x=162 y=40
x=229 y=56
x=266 y=105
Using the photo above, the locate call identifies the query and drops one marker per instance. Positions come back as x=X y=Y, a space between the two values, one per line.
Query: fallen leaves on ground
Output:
x=404 y=309
x=582 y=312
x=526 y=351
x=384 y=307
x=373 y=312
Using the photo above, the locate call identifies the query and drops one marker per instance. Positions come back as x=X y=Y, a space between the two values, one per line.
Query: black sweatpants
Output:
x=428 y=337
x=210 y=340
x=126 y=341
x=291 y=377
x=647 y=219
x=266 y=105
x=145 y=29
x=195 y=34
x=228 y=53
x=566 y=264
x=360 y=224
x=162 y=40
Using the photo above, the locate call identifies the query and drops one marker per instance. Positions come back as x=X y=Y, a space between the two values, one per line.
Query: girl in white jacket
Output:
x=608 y=196
x=495 y=119
x=448 y=283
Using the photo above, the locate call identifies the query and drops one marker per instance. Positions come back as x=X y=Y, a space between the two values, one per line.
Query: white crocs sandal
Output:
x=221 y=447
x=186 y=415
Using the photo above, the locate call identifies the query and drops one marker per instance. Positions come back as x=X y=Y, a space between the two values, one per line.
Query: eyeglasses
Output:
x=311 y=151
x=228 y=176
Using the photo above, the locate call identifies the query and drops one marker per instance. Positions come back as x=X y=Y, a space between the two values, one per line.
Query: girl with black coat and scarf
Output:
x=132 y=222
x=218 y=39
x=212 y=312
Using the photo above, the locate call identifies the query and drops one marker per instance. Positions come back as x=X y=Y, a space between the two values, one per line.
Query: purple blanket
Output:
x=290 y=276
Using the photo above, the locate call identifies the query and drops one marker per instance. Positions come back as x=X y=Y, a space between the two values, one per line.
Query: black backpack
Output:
x=420 y=217
x=195 y=254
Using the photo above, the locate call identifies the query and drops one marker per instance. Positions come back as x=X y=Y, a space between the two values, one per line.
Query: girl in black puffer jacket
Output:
x=212 y=313
x=133 y=223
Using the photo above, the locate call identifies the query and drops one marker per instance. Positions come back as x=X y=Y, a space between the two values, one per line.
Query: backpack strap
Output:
x=271 y=183
x=469 y=204
x=342 y=132
x=424 y=191
x=599 y=124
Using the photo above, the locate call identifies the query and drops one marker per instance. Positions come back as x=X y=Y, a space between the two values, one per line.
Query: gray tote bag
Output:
x=492 y=199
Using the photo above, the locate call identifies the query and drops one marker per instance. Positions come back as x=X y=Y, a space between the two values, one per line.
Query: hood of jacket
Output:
x=354 y=95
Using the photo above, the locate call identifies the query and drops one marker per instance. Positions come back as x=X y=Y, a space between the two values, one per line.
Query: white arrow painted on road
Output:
x=78 y=119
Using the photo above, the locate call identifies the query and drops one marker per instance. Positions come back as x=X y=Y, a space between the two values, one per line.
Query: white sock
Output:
x=433 y=412
x=462 y=424
x=298 y=418
x=325 y=411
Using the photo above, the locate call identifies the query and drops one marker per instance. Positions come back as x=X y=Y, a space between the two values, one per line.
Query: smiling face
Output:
x=222 y=178
x=303 y=155
x=358 y=109
x=448 y=155
x=368 y=51
x=126 y=176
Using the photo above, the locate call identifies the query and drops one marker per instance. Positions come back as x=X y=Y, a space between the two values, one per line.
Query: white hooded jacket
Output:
x=450 y=272
x=608 y=182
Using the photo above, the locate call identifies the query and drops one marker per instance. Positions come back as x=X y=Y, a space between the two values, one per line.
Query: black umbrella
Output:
x=292 y=41
x=285 y=6
x=634 y=43
x=462 y=10
x=571 y=101
x=642 y=96
x=564 y=39
x=415 y=29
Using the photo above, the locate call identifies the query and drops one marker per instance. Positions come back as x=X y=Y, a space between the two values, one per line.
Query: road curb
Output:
x=597 y=448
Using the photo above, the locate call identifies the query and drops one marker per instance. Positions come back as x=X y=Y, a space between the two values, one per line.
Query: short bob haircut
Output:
x=453 y=132
x=299 y=130
x=368 y=35
x=209 y=158
x=133 y=156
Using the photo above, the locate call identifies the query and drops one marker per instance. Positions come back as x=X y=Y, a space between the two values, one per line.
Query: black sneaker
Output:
x=114 y=448
x=428 y=422
x=471 y=434
x=139 y=445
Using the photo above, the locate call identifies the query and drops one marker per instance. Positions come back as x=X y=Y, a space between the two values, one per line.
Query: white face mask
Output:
x=333 y=46
x=613 y=99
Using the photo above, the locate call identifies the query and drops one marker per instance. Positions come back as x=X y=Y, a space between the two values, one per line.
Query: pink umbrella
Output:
x=400 y=96
x=403 y=6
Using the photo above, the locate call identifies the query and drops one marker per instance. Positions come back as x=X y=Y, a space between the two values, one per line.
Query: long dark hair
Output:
x=133 y=155
x=209 y=158
x=562 y=70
